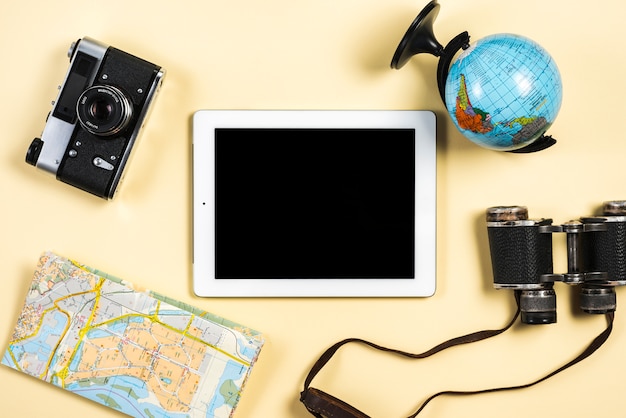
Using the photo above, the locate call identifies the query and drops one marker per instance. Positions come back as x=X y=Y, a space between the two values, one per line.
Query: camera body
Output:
x=521 y=258
x=93 y=128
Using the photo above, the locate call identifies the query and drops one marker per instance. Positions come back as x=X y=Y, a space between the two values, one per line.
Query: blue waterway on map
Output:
x=232 y=371
x=117 y=389
x=114 y=328
x=246 y=351
x=98 y=333
x=6 y=358
x=38 y=345
x=174 y=313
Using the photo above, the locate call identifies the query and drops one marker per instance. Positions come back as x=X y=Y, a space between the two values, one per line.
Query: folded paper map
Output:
x=130 y=349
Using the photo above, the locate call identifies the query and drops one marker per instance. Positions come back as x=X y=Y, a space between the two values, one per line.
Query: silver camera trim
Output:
x=52 y=152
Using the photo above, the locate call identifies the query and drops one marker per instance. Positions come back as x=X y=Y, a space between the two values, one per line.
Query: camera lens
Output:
x=103 y=110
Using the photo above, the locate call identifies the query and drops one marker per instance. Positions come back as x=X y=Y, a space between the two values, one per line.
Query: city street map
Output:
x=130 y=349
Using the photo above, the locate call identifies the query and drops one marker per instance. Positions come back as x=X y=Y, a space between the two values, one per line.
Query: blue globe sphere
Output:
x=503 y=92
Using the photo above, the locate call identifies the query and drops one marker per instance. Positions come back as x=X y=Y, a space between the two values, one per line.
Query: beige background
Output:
x=324 y=54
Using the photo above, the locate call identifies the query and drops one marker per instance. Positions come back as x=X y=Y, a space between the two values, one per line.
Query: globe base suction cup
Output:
x=419 y=38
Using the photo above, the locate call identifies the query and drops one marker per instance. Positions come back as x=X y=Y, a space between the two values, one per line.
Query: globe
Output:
x=503 y=92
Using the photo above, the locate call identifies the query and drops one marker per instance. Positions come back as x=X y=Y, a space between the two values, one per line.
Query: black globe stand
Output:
x=461 y=41
x=420 y=39
x=541 y=143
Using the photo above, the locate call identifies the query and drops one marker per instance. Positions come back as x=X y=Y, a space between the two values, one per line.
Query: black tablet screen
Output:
x=314 y=203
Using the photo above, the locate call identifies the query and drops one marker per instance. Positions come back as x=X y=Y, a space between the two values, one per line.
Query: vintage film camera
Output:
x=521 y=258
x=93 y=127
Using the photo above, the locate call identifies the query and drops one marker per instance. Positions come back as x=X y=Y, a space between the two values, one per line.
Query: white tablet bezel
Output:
x=204 y=124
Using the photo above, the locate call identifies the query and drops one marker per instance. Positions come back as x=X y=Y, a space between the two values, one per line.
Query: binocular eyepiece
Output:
x=521 y=258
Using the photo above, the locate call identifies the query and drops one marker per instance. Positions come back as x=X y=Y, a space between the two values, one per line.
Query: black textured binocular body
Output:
x=522 y=260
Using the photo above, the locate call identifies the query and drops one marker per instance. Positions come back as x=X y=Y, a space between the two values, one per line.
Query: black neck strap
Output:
x=321 y=404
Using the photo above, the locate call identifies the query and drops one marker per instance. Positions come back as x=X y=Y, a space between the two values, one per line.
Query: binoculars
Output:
x=521 y=258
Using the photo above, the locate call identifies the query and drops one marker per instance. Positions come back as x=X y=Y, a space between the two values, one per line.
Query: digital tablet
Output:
x=314 y=203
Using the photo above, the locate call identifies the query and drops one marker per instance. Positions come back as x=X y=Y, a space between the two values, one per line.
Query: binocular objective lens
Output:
x=598 y=300
x=538 y=306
